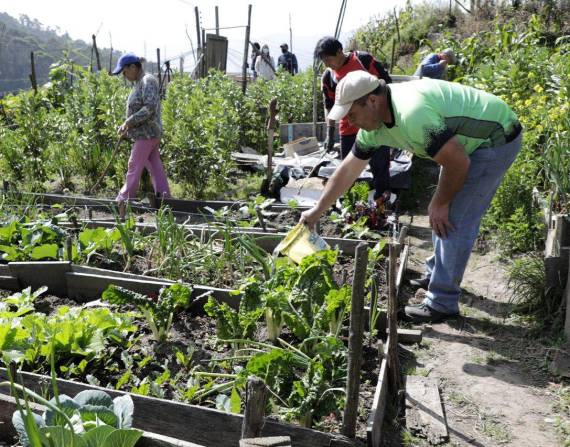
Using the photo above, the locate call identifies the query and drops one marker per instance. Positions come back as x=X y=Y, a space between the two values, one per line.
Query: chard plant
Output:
x=158 y=312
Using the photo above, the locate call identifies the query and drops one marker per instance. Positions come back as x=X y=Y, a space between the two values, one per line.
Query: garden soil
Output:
x=492 y=373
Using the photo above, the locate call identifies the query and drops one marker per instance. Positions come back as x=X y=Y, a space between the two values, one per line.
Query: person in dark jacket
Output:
x=434 y=65
x=288 y=60
x=329 y=50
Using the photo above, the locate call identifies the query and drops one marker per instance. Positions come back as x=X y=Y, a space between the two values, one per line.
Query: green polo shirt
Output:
x=428 y=112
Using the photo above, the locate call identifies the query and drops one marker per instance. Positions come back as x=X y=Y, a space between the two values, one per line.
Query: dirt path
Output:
x=493 y=377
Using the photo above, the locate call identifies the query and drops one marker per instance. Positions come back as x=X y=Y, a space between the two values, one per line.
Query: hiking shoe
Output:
x=421 y=283
x=422 y=313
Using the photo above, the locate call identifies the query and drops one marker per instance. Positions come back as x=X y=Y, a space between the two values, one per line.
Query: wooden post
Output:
x=260 y=217
x=111 y=61
x=315 y=92
x=245 y=51
x=158 y=65
x=270 y=134
x=392 y=61
x=96 y=52
x=356 y=333
x=397 y=25
x=33 y=72
x=393 y=362
x=198 y=33
x=68 y=248
x=217 y=23
x=204 y=54
x=255 y=401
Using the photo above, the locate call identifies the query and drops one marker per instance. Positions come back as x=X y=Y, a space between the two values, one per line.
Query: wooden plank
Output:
x=84 y=287
x=376 y=416
x=192 y=423
x=273 y=441
x=566 y=298
x=8 y=407
x=10 y=283
x=402 y=268
x=409 y=336
x=42 y=273
x=424 y=412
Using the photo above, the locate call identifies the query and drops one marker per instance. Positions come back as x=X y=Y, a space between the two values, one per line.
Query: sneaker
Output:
x=422 y=313
x=421 y=283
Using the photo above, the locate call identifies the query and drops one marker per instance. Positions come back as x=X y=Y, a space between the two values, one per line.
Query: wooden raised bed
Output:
x=189 y=423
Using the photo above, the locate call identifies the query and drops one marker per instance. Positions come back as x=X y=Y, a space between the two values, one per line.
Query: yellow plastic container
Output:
x=300 y=242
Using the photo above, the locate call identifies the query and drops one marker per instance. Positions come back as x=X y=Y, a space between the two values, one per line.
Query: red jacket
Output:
x=357 y=60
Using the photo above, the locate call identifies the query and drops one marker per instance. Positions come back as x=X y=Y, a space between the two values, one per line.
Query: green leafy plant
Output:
x=91 y=419
x=158 y=311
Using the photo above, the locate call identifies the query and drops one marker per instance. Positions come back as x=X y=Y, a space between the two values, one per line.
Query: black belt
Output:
x=517 y=129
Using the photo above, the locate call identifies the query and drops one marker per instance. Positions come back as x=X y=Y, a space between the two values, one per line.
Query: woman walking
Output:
x=265 y=65
x=144 y=126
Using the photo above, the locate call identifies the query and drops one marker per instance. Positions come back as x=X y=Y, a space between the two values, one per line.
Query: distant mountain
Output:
x=18 y=37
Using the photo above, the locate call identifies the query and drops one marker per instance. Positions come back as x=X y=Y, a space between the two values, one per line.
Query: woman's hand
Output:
x=122 y=129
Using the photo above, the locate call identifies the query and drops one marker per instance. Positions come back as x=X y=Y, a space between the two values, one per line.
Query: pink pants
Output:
x=144 y=154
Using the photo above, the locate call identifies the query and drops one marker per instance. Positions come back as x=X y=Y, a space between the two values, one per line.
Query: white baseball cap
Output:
x=353 y=86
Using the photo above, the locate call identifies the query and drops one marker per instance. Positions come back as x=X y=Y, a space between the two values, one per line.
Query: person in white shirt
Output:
x=265 y=65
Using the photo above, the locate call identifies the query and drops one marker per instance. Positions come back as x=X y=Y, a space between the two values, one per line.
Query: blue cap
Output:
x=124 y=60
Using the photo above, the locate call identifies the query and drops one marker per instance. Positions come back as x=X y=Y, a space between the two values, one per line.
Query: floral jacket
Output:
x=143 y=109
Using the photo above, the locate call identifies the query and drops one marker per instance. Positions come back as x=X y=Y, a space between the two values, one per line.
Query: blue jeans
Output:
x=446 y=266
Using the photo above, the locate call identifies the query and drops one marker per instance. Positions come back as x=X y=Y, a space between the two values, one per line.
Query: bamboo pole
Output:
x=356 y=335
x=245 y=51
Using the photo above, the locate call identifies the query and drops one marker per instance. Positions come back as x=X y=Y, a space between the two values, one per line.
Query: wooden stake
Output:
x=256 y=399
x=33 y=72
x=393 y=60
x=158 y=63
x=96 y=52
x=217 y=23
x=68 y=248
x=270 y=134
x=397 y=25
x=393 y=362
x=356 y=334
x=198 y=33
x=245 y=51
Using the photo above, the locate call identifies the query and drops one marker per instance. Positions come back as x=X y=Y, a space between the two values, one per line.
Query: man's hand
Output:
x=310 y=217
x=122 y=129
x=439 y=219
x=443 y=63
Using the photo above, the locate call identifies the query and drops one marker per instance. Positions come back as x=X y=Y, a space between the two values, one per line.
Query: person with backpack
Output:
x=287 y=60
x=265 y=64
x=329 y=50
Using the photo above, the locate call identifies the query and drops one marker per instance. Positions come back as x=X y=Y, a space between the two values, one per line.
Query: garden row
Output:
x=269 y=360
